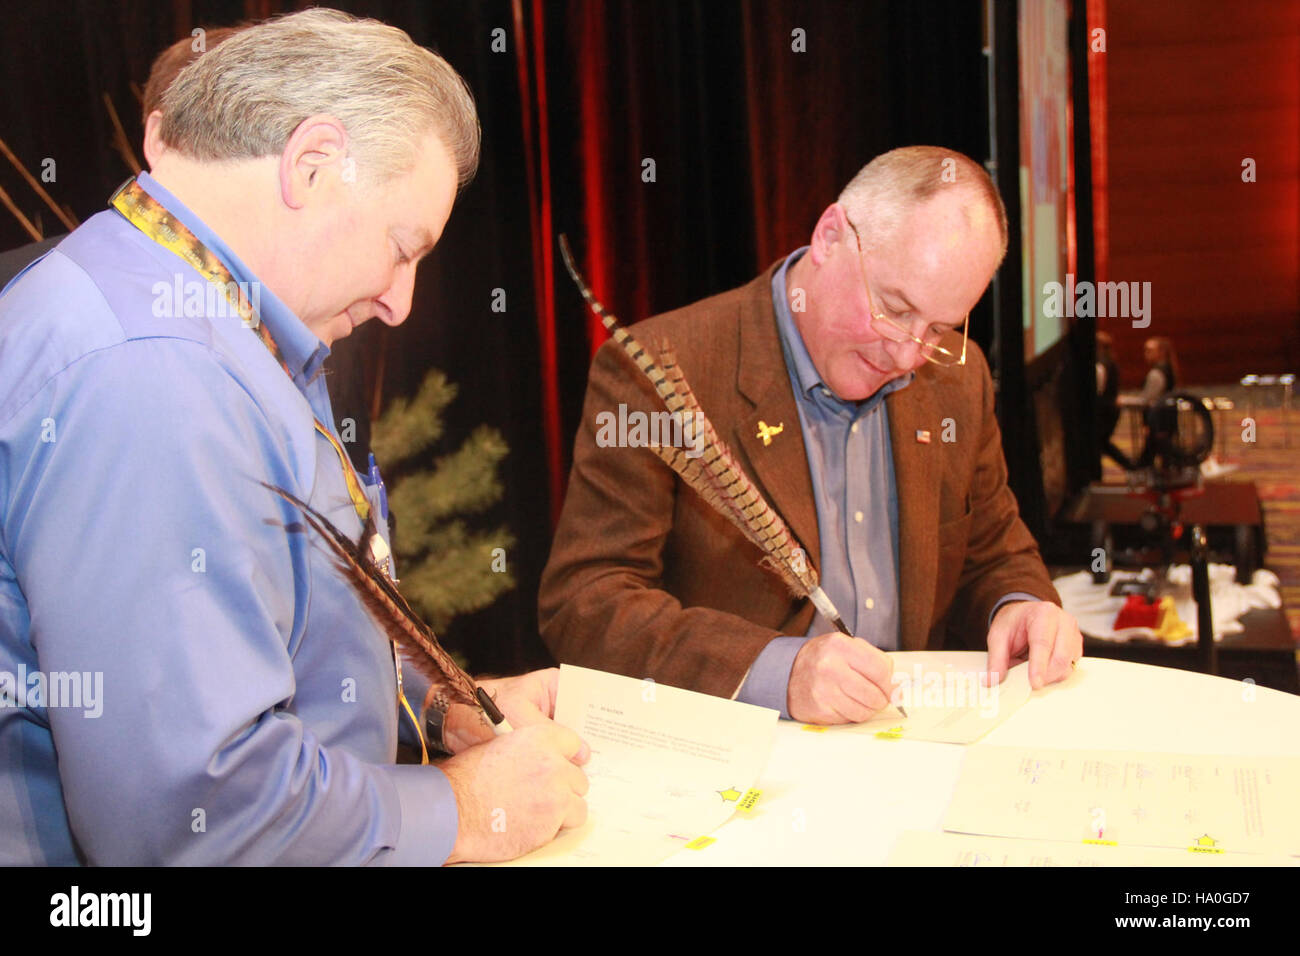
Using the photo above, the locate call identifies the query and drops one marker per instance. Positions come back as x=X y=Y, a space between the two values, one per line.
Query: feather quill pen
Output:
x=714 y=474
x=400 y=622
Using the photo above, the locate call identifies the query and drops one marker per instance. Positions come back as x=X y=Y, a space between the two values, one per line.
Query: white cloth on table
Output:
x=1095 y=608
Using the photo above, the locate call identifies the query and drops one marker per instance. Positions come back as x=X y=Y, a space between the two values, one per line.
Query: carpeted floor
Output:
x=1270 y=462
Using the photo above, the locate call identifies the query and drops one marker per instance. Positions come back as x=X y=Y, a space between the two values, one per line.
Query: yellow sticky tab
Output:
x=699 y=843
x=893 y=733
x=815 y=728
x=1101 y=842
x=748 y=800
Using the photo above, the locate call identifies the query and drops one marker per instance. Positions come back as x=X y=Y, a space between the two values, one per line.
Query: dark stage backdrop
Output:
x=754 y=115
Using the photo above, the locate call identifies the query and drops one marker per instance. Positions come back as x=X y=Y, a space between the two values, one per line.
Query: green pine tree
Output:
x=446 y=567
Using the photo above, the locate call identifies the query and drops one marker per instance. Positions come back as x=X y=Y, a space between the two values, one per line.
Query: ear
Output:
x=831 y=228
x=313 y=159
x=154 y=146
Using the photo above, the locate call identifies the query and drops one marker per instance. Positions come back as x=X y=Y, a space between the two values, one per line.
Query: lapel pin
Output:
x=923 y=436
x=768 y=432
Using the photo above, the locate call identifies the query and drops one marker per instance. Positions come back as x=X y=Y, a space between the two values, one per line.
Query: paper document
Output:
x=1208 y=803
x=926 y=848
x=944 y=703
x=667 y=766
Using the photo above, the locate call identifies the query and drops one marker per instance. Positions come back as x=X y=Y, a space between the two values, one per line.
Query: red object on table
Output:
x=1136 y=612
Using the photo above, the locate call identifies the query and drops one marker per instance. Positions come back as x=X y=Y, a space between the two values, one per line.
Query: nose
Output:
x=906 y=353
x=396 y=299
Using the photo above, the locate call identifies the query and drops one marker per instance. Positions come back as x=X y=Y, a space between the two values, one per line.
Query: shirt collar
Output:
x=301 y=350
x=800 y=363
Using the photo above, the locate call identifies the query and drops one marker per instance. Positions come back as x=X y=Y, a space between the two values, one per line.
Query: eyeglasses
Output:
x=931 y=350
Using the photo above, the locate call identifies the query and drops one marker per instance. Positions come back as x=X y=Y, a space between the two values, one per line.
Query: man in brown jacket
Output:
x=845 y=386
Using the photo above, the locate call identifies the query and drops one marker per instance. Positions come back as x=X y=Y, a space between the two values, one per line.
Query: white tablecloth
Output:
x=843 y=798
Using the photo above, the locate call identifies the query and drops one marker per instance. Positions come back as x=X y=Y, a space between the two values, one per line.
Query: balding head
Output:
x=880 y=196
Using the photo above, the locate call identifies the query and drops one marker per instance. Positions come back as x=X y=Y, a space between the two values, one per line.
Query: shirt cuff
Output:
x=768 y=681
x=1008 y=599
x=430 y=817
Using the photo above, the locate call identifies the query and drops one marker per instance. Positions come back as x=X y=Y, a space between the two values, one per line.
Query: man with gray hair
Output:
x=158 y=367
x=843 y=381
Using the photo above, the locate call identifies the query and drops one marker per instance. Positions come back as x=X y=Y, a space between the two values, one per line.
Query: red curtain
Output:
x=530 y=44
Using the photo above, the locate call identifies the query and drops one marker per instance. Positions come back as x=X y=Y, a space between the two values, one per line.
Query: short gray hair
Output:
x=244 y=98
x=884 y=190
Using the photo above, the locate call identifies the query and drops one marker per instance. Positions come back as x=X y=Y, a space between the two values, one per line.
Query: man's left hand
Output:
x=1037 y=629
x=526 y=699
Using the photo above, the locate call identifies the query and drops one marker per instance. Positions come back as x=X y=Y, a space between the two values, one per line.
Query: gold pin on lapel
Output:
x=768 y=432
x=923 y=436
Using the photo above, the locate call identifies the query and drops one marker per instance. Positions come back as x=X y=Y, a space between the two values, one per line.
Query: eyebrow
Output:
x=426 y=243
x=422 y=236
x=898 y=294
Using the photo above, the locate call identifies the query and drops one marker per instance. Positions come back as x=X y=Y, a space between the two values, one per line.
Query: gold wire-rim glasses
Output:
x=932 y=352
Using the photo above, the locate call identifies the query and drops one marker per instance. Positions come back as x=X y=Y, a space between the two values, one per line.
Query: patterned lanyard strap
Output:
x=155 y=221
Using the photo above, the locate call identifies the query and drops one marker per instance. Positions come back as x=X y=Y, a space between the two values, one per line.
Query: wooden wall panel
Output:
x=1193 y=88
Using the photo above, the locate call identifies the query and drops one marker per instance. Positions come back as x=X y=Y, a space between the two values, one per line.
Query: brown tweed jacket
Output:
x=646 y=580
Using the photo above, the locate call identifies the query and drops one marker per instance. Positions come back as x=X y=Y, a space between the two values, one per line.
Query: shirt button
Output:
x=870 y=604
x=857 y=516
x=854 y=428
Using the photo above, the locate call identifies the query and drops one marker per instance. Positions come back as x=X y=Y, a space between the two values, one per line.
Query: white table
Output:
x=842 y=799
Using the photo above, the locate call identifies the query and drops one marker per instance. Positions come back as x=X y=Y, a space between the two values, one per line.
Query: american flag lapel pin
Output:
x=922 y=436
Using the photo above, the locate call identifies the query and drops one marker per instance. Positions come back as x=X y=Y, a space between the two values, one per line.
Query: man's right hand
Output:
x=838 y=679
x=515 y=792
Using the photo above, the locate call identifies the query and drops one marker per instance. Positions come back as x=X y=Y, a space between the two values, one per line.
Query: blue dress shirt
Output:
x=248 y=710
x=851 y=464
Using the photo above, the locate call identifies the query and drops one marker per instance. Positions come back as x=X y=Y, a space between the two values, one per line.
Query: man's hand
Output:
x=525 y=700
x=1039 y=629
x=838 y=679
x=514 y=793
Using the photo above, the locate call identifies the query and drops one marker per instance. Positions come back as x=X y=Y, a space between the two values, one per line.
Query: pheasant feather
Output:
x=400 y=623
x=714 y=474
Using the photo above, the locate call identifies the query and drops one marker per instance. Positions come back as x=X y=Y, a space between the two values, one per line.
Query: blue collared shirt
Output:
x=850 y=462
x=852 y=470
x=246 y=709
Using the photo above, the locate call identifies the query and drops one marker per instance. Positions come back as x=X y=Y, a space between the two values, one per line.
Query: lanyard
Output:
x=154 y=220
